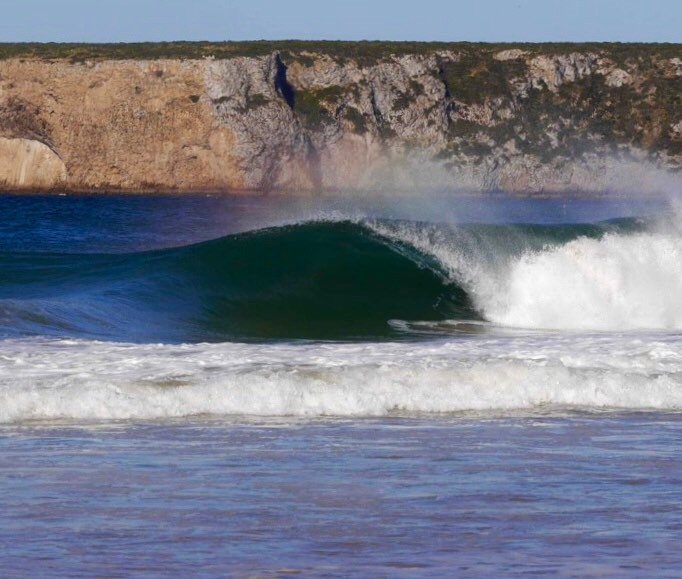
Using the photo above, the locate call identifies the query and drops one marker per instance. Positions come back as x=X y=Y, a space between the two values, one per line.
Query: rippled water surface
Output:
x=597 y=494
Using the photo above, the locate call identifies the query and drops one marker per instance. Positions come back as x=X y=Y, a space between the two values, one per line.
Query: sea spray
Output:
x=613 y=277
x=614 y=283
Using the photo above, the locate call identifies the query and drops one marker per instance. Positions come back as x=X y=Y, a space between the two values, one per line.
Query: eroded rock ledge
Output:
x=525 y=118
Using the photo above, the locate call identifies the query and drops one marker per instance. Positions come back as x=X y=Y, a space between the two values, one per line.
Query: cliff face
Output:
x=465 y=117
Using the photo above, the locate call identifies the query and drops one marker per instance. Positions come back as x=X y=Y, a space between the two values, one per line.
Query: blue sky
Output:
x=485 y=20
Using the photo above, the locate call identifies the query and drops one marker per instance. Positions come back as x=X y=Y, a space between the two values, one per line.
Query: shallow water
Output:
x=339 y=388
x=571 y=495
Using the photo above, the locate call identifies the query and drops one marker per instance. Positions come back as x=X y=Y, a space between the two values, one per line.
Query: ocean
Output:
x=264 y=386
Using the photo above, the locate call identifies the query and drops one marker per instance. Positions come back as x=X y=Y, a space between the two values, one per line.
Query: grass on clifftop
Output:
x=367 y=52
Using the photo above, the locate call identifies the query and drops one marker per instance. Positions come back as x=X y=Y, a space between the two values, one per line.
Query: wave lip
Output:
x=598 y=279
x=94 y=381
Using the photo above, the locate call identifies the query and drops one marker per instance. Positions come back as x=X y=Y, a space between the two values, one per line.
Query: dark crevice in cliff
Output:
x=448 y=101
x=441 y=77
x=378 y=117
x=282 y=86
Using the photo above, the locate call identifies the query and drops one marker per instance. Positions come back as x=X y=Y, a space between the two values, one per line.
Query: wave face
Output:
x=316 y=280
x=361 y=279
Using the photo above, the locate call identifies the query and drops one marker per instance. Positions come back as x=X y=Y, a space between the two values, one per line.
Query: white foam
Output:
x=616 y=282
x=613 y=283
x=79 y=380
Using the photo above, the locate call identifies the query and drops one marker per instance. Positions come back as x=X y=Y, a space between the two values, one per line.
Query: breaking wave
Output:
x=351 y=280
x=350 y=318
x=87 y=380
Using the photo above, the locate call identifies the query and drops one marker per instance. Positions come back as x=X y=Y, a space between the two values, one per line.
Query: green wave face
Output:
x=313 y=281
x=316 y=280
x=310 y=281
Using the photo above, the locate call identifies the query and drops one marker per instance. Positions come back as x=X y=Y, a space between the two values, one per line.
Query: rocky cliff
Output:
x=340 y=116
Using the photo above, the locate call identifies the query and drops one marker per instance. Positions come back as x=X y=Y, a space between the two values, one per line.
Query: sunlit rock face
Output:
x=527 y=119
x=28 y=164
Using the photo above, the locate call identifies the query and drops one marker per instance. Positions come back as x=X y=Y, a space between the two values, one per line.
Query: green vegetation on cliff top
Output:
x=568 y=121
x=364 y=51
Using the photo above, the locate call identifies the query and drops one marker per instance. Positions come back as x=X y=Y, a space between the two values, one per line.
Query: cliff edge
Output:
x=309 y=117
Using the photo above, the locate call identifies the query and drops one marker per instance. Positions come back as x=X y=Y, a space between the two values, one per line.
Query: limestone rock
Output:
x=553 y=71
x=28 y=164
x=511 y=54
x=470 y=118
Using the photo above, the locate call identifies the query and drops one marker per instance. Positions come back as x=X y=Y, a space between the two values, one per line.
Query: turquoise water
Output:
x=256 y=387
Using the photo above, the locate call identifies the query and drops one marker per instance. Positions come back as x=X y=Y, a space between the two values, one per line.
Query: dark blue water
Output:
x=207 y=269
x=112 y=223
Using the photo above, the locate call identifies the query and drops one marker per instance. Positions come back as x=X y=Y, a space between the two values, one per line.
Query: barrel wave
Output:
x=361 y=317
x=347 y=280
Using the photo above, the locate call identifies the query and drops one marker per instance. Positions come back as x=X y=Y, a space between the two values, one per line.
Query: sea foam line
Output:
x=79 y=380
